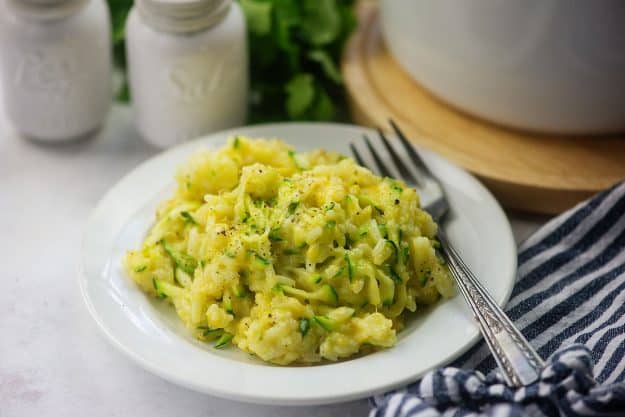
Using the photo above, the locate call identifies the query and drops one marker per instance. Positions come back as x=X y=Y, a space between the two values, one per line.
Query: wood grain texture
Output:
x=525 y=170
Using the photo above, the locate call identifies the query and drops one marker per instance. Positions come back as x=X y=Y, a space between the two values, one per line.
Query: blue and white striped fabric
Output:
x=569 y=301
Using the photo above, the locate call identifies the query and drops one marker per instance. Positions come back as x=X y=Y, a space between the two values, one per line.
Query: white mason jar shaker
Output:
x=55 y=66
x=187 y=66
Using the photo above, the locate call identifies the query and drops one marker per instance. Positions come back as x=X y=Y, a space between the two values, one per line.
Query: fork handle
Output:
x=516 y=358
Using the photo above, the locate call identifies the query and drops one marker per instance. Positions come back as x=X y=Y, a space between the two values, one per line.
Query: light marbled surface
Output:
x=53 y=360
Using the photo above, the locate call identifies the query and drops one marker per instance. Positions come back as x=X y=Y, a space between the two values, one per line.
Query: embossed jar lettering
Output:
x=187 y=65
x=55 y=63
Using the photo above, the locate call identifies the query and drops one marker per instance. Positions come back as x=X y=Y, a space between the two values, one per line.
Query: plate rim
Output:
x=260 y=398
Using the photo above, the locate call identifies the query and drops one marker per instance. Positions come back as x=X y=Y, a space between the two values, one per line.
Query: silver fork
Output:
x=518 y=361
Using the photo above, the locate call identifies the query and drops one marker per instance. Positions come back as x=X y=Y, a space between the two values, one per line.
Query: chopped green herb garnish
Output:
x=274 y=235
x=436 y=244
x=188 y=218
x=350 y=267
x=393 y=246
x=236 y=143
x=334 y=296
x=293 y=157
x=330 y=206
x=304 y=326
x=157 y=288
x=331 y=224
x=229 y=254
x=240 y=291
x=182 y=260
x=278 y=288
x=395 y=276
x=395 y=186
x=258 y=203
x=141 y=268
x=207 y=331
x=405 y=254
x=424 y=278
x=340 y=272
x=383 y=230
x=246 y=217
x=223 y=340
x=262 y=260
x=293 y=207
x=317 y=279
x=363 y=232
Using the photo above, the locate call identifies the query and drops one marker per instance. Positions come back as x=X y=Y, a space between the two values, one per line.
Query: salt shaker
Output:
x=187 y=66
x=55 y=66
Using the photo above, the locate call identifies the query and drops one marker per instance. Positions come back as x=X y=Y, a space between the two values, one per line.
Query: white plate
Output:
x=148 y=331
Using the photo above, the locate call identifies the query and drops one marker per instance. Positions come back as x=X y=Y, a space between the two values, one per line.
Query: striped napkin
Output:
x=569 y=301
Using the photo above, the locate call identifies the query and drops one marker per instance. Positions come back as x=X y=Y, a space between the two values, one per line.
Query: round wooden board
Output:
x=527 y=171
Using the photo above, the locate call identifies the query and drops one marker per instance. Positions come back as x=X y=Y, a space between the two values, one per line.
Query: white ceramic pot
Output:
x=548 y=65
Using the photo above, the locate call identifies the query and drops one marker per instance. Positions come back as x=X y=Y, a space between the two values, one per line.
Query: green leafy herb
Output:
x=328 y=66
x=300 y=91
x=236 y=143
x=141 y=268
x=331 y=224
x=424 y=278
x=330 y=206
x=295 y=47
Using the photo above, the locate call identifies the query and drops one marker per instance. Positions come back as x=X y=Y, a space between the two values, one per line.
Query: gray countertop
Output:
x=53 y=360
